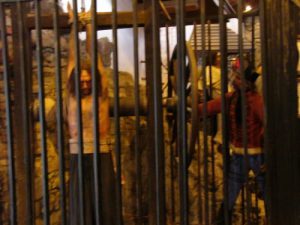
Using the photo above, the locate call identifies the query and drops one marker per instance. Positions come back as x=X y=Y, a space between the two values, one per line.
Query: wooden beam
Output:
x=104 y=20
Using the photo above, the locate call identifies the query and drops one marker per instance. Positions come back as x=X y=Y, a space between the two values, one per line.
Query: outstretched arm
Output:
x=213 y=106
x=89 y=47
x=71 y=56
x=104 y=101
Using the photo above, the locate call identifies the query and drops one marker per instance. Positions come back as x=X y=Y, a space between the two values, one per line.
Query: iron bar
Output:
x=95 y=97
x=253 y=41
x=204 y=114
x=171 y=125
x=138 y=166
x=25 y=112
x=244 y=106
x=224 y=108
x=9 y=119
x=212 y=124
x=116 y=113
x=254 y=66
x=77 y=71
x=181 y=116
x=42 y=120
x=157 y=116
x=200 y=202
x=263 y=38
x=199 y=177
x=59 y=115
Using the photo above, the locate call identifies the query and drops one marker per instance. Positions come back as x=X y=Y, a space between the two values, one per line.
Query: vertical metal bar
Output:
x=244 y=106
x=209 y=55
x=26 y=125
x=224 y=107
x=95 y=96
x=138 y=167
x=172 y=157
x=263 y=47
x=213 y=182
x=59 y=115
x=116 y=113
x=181 y=116
x=9 y=119
x=199 y=177
x=205 y=143
x=77 y=72
x=39 y=59
x=253 y=41
x=200 y=202
x=168 y=60
x=158 y=121
x=262 y=15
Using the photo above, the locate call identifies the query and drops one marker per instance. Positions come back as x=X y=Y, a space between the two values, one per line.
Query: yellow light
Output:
x=248 y=8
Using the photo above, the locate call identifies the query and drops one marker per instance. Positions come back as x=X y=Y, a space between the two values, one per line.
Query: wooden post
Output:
x=280 y=20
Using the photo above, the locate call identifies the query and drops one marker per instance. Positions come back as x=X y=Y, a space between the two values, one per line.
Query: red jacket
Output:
x=254 y=118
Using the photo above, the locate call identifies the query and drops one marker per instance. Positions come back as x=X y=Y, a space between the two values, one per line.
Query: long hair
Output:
x=85 y=65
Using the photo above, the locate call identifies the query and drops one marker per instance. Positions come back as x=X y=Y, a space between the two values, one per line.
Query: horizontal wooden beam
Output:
x=125 y=19
x=104 y=20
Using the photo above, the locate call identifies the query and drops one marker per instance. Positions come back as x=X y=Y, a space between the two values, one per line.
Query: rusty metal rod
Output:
x=77 y=71
x=171 y=125
x=95 y=108
x=137 y=112
x=181 y=116
x=244 y=106
x=39 y=59
x=253 y=41
x=59 y=115
x=212 y=146
x=159 y=151
x=9 y=120
x=224 y=108
x=116 y=114
x=204 y=115
x=199 y=177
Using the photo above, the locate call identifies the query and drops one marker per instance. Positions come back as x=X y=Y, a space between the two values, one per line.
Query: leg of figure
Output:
x=108 y=190
x=87 y=190
x=236 y=180
x=73 y=188
x=257 y=163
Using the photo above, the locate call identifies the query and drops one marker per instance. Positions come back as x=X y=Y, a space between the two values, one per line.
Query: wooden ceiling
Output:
x=253 y=3
x=211 y=8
